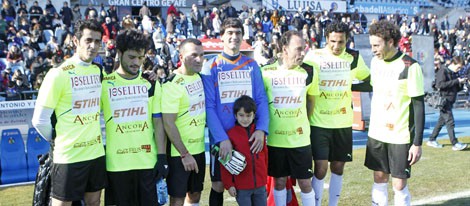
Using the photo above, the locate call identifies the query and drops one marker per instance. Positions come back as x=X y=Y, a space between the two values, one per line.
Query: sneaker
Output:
x=459 y=146
x=434 y=144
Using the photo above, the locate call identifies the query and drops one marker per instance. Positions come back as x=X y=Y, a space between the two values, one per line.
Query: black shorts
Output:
x=214 y=168
x=294 y=162
x=331 y=144
x=134 y=187
x=180 y=182
x=71 y=181
x=388 y=158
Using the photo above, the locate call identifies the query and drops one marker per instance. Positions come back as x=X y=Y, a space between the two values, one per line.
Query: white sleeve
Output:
x=42 y=121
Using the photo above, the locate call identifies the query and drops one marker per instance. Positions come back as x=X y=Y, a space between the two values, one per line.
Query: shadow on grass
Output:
x=465 y=201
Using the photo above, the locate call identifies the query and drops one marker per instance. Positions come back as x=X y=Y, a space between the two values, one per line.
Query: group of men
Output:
x=303 y=108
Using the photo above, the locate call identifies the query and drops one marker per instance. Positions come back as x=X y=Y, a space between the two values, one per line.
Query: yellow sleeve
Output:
x=170 y=98
x=52 y=88
x=362 y=71
x=156 y=100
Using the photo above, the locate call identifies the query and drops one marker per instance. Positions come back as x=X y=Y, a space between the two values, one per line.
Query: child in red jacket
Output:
x=249 y=187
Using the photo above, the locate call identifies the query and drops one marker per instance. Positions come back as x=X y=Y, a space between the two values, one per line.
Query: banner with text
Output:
x=16 y=114
x=315 y=6
x=139 y=3
x=384 y=8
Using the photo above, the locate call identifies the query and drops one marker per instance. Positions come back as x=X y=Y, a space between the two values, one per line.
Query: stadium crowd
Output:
x=34 y=39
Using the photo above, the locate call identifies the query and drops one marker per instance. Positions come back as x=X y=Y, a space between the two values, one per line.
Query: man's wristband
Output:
x=183 y=155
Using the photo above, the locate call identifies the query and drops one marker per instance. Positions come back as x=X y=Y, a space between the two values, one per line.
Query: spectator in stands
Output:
x=38 y=66
x=35 y=11
x=15 y=58
x=46 y=20
x=8 y=11
x=405 y=43
x=50 y=7
x=56 y=22
x=144 y=10
x=22 y=12
x=267 y=28
x=52 y=45
x=170 y=23
x=196 y=20
x=110 y=31
x=112 y=13
x=230 y=11
x=77 y=14
x=89 y=10
x=38 y=82
x=21 y=81
x=216 y=24
x=36 y=37
x=13 y=94
x=207 y=24
x=183 y=25
x=67 y=14
x=158 y=38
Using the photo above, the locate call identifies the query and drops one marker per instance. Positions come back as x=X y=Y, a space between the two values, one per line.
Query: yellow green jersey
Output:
x=333 y=106
x=395 y=82
x=73 y=90
x=128 y=107
x=287 y=96
x=184 y=95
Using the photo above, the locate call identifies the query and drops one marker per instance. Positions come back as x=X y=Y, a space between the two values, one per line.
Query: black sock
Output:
x=216 y=198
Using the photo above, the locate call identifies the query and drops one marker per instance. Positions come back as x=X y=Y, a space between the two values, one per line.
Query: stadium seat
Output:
x=13 y=157
x=35 y=146
x=48 y=34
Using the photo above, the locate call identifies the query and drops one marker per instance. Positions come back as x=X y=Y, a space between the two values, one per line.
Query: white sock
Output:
x=308 y=198
x=189 y=204
x=280 y=197
x=336 y=183
x=379 y=194
x=317 y=186
x=402 y=197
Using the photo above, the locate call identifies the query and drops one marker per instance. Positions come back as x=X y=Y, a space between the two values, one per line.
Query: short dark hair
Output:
x=231 y=23
x=457 y=60
x=287 y=36
x=386 y=30
x=338 y=27
x=187 y=41
x=132 y=40
x=90 y=24
x=245 y=102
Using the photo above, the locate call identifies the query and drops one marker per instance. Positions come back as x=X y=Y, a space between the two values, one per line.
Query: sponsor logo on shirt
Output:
x=86 y=119
x=129 y=128
x=334 y=95
x=143 y=148
x=97 y=140
x=288 y=114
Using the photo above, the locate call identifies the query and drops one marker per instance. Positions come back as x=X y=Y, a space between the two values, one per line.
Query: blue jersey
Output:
x=224 y=82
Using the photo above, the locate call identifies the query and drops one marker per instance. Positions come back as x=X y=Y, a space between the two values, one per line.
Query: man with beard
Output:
x=134 y=128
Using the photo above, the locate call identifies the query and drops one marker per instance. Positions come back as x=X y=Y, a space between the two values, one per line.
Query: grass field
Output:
x=439 y=172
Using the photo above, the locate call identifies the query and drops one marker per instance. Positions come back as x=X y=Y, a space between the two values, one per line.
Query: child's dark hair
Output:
x=245 y=102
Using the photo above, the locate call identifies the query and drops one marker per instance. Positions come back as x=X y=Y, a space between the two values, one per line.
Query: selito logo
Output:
x=290 y=81
x=194 y=88
x=128 y=90
x=81 y=81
